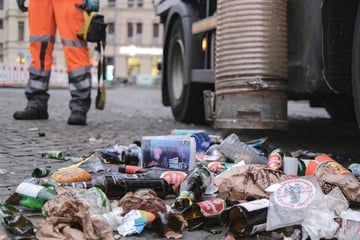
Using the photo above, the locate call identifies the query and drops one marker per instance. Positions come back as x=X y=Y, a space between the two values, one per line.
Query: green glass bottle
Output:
x=36 y=191
x=33 y=203
x=40 y=172
x=56 y=154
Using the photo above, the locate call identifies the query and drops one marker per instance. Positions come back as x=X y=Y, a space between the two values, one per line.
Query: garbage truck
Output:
x=236 y=63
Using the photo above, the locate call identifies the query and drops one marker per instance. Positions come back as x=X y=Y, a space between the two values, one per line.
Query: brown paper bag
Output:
x=247 y=182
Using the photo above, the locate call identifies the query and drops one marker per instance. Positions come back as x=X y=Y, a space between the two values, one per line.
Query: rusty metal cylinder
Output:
x=251 y=64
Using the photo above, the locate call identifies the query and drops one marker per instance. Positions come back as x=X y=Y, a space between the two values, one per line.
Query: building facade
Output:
x=134 y=39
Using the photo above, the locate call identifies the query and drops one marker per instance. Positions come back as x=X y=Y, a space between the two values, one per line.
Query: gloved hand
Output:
x=21 y=5
x=88 y=5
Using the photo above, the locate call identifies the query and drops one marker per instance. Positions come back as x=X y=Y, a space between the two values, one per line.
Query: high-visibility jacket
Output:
x=45 y=18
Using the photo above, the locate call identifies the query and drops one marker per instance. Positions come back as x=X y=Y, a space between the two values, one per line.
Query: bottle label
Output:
x=275 y=160
x=79 y=185
x=219 y=167
x=255 y=204
x=202 y=140
x=28 y=189
x=173 y=151
x=295 y=193
x=174 y=178
x=336 y=167
x=56 y=154
x=216 y=167
x=132 y=169
x=118 y=176
x=324 y=160
x=212 y=207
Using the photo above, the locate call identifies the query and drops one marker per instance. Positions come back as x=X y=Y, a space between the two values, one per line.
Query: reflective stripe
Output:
x=38 y=84
x=39 y=72
x=84 y=84
x=43 y=38
x=79 y=71
x=74 y=43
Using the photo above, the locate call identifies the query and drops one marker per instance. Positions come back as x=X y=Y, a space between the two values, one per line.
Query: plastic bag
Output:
x=236 y=150
x=134 y=222
x=336 y=201
x=293 y=201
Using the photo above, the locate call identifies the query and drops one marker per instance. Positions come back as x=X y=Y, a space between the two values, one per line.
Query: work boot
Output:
x=31 y=113
x=77 y=118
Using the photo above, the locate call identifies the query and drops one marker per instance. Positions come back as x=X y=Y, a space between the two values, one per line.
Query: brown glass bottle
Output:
x=115 y=187
x=247 y=218
x=206 y=213
x=173 y=176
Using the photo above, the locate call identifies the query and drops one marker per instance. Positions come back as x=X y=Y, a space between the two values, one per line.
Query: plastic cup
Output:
x=290 y=165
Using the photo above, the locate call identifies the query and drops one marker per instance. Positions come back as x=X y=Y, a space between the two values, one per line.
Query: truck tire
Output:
x=356 y=68
x=340 y=108
x=186 y=98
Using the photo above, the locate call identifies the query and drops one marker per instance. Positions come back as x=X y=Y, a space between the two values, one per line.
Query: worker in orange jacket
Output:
x=45 y=18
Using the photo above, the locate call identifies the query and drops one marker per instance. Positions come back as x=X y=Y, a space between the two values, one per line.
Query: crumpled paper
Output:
x=142 y=201
x=67 y=217
x=247 y=182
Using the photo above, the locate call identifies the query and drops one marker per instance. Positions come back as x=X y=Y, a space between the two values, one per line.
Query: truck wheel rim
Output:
x=178 y=69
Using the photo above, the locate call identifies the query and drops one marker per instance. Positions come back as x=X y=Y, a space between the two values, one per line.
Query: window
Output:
x=156 y=27
x=111 y=31
x=134 y=31
x=1 y=4
x=111 y=3
x=131 y=3
x=130 y=31
x=111 y=28
x=1 y=23
x=139 y=31
x=21 y=31
x=1 y=52
x=140 y=3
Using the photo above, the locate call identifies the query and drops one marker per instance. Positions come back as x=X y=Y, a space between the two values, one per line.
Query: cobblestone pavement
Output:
x=130 y=113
